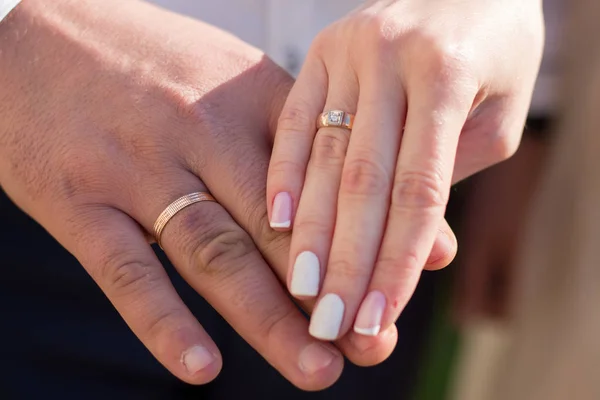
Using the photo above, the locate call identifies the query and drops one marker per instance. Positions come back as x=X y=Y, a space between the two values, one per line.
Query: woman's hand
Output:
x=440 y=90
x=109 y=111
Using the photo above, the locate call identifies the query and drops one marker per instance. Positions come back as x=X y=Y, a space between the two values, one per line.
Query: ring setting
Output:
x=336 y=119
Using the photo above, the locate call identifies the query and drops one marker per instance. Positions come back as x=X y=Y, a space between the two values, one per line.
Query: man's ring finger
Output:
x=176 y=206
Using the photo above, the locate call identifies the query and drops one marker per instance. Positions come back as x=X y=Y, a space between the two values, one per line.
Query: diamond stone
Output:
x=335 y=117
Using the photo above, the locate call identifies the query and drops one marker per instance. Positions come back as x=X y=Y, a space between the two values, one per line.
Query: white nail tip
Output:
x=305 y=275
x=327 y=318
x=285 y=224
x=374 y=331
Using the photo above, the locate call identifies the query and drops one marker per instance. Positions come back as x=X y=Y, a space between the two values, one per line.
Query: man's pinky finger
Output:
x=115 y=252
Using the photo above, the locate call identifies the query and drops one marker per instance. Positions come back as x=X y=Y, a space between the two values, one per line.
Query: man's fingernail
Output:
x=368 y=320
x=196 y=359
x=305 y=275
x=327 y=318
x=315 y=357
x=281 y=215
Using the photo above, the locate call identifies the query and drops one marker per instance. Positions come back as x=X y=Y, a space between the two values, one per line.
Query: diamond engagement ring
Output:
x=335 y=119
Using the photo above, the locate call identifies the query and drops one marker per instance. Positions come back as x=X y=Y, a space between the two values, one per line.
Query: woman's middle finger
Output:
x=315 y=219
x=363 y=202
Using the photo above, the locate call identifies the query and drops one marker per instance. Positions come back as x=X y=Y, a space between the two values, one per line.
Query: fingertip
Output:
x=374 y=331
x=327 y=317
x=281 y=226
x=281 y=212
x=444 y=249
x=367 y=351
x=200 y=364
x=321 y=364
x=305 y=298
x=305 y=279
x=189 y=352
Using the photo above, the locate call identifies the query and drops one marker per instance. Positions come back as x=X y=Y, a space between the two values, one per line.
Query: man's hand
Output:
x=109 y=111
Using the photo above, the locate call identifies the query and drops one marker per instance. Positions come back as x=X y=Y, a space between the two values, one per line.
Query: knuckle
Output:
x=294 y=118
x=275 y=321
x=285 y=169
x=323 y=40
x=444 y=55
x=445 y=60
x=449 y=62
x=329 y=148
x=348 y=270
x=164 y=321
x=123 y=276
x=364 y=176
x=312 y=226
x=400 y=267
x=419 y=190
x=382 y=32
x=218 y=251
x=186 y=107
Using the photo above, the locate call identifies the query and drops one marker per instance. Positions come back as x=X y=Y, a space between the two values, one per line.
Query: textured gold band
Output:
x=176 y=206
x=335 y=119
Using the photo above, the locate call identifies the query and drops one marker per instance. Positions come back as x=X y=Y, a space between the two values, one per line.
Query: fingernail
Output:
x=315 y=357
x=368 y=320
x=281 y=215
x=305 y=275
x=327 y=318
x=196 y=359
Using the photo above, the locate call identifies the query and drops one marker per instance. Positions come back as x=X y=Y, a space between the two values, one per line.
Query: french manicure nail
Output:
x=305 y=275
x=281 y=214
x=196 y=359
x=327 y=318
x=315 y=357
x=368 y=320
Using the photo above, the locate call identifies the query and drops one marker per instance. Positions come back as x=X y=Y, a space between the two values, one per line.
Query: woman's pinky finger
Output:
x=293 y=143
x=444 y=248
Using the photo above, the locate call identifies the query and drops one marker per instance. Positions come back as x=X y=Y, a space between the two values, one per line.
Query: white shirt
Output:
x=6 y=6
x=284 y=29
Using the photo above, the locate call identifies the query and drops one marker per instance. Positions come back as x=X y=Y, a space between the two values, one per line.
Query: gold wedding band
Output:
x=176 y=206
x=336 y=119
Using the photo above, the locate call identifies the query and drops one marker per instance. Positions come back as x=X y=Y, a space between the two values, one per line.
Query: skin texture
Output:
x=113 y=109
x=440 y=90
x=109 y=111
